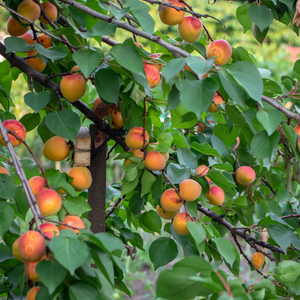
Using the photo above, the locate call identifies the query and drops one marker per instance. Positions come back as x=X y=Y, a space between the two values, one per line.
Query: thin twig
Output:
x=115 y=206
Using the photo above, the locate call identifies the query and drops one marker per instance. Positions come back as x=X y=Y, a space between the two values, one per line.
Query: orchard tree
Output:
x=210 y=147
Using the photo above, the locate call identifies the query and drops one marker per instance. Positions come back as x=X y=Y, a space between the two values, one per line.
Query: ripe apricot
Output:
x=190 y=190
x=169 y=15
x=152 y=74
x=15 y=251
x=72 y=221
x=258 y=260
x=190 y=29
x=32 y=293
x=4 y=171
x=137 y=153
x=288 y=105
x=30 y=268
x=245 y=175
x=180 y=223
x=117 y=120
x=73 y=87
x=37 y=184
x=14 y=28
x=215 y=196
x=82 y=178
x=221 y=49
x=50 y=10
x=76 y=68
x=31 y=245
x=200 y=127
x=18 y=129
x=28 y=37
x=30 y=10
x=45 y=40
x=297 y=129
x=202 y=170
x=135 y=139
x=35 y=62
x=170 y=200
x=49 y=202
x=56 y=148
x=167 y=215
x=157 y=66
x=155 y=161
x=49 y=230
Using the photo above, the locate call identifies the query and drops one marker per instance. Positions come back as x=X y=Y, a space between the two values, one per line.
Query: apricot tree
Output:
x=210 y=152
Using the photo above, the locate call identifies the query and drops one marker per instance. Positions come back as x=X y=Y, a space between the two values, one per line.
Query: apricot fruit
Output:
x=35 y=62
x=152 y=75
x=221 y=49
x=14 y=28
x=45 y=40
x=30 y=268
x=155 y=56
x=30 y=10
x=76 y=68
x=15 y=251
x=200 y=127
x=202 y=170
x=116 y=119
x=37 y=184
x=49 y=230
x=50 y=10
x=245 y=175
x=56 y=148
x=288 y=105
x=82 y=178
x=4 y=171
x=170 y=200
x=190 y=190
x=218 y=100
x=155 y=161
x=190 y=29
x=137 y=153
x=28 y=37
x=73 y=87
x=297 y=129
x=72 y=221
x=169 y=15
x=32 y=293
x=134 y=138
x=215 y=196
x=257 y=260
x=180 y=223
x=18 y=129
x=167 y=215
x=31 y=245
x=49 y=202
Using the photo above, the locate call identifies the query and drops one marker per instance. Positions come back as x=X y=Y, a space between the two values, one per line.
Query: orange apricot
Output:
x=155 y=161
x=180 y=223
x=14 y=28
x=155 y=56
x=297 y=129
x=190 y=29
x=170 y=200
x=73 y=87
x=288 y=105
x=32 y=293
x=31 y=245
x=49 y=202
x=245 y=175
x=18 y=129
x=49 y=230
x=72 y=221
x=215 y=196
x=15 y=251
x=116 y=119
x=135 y=139
x=190 y=190
x=202 y=170
x=45 y=40
x=152 y=75
x=76 y=68
x=258 y=260
x=50 y=10
x=167 y=215
x=221 y=49
x=82 y=178
x=56 y=148
x=4 y=171
x=137 y=153
x=30 y=268
x=30 y=10
x=169 y=15
x=35 y=62
x=37 y=184
x=28 y=37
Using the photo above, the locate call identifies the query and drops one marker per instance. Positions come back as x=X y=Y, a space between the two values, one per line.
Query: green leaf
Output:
x=87 y=61
x=226 y=249
x=204 y=148
x=151 y=220
x=65 y=123
x=220 y=180
x=107 y=85
x=270 y=120
x=69 y=252
x=131 y=174
x=197 y=95
x=259 y=36
x=261 y=16
x=17 y=44
x=76 y=205
x=187 y=158
x=173 y=67
x=198 y=233
x=109 y=242
x=235 y=115
x=131 y=61
x=104 y=28
x=222 y=132
x=248 y=77
x=83 y=290
x=243 y=17
x=30 y=121
x=145 y=20
x=7 y=187
x=53 y=53
x=147 y=181
x=287 y=271
x=292 y=138
x=200 y=66
x=21 y=201
x=281 y=235
x=177 y=173
x=162 y=251
x=176 y=118
x=6 y=217
x=262 y=144
x=271 y=88
x=51 y=274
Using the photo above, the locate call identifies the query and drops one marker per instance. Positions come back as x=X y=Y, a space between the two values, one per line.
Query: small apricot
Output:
x=169 y=15
x=297 y=129
x=18 y=128
x=30 y=10
x=35 y=62
x=50 y=10
x=73 y=87
x=14 y=28
x=56 y=148
x=30 y=268
x=32 y=293
x=258 y=260
x=37 y=184
x=245 y=175
x=202 y=170
x=166 y=214
x=49 y=202
x=190 y=29
x=180 y=223
x=49 y=230
x=190 y=190
x=155 y=161
x=116 y=119
x=82 y=178
x=221 y=49
x=28 y=37
x=152 y=75
x=137 y=153
x=72 y=221
x=45 y=40
x=170 y=200
x=134 y=138
x=15 y=251
x=215 y=196
x=4 y=171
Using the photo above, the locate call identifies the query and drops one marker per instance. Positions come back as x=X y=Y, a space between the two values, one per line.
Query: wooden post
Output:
x=97 y=191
